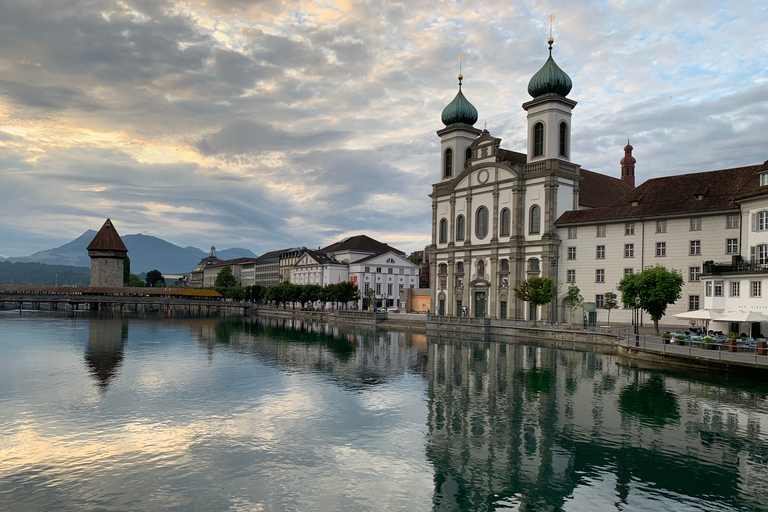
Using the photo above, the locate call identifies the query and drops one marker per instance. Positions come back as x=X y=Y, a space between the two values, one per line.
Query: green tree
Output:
x=573 y=300
x=657 y=288
x=225 y=279
x=135 y=281
x=154 y=277
x=369 y=298
x=610 y=302
x=126 y=271
x=536 y=290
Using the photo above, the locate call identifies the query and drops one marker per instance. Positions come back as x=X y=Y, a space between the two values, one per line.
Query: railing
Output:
x=751 y=353
x=739 y=267
x=552 y=164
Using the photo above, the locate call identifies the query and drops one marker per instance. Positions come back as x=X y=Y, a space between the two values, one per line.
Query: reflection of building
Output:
x=531 y=427
x=106 y=342
x=107 y=252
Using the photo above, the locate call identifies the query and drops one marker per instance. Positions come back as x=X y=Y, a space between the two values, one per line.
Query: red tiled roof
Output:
x=107 y=239
x=677 y=195
x=596 y=190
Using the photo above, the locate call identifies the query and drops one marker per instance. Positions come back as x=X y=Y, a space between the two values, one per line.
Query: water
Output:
x=189 y=414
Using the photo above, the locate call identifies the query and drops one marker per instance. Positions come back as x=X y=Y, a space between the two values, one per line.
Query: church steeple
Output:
x=628 y=165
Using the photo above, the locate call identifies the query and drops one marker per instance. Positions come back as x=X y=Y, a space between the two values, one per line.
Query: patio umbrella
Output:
x=742 y=317
x=700 y=314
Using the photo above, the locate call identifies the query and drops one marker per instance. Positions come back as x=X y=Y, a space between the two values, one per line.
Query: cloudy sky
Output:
x=265 y=124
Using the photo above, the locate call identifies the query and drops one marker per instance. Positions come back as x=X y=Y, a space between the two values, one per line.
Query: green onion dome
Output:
x=460 y=110
x=550 y=79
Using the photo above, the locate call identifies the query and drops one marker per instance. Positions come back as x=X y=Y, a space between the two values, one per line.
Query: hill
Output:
x=41 y=274
x=146 y=253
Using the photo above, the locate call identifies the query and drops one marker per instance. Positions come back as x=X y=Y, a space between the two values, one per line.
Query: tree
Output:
x=573 y=300
x=126 y=271
x=225 y=279
x=609 y=303
x=134 y=281
x=154 y=277
x=536 y=290
x=657 y=288
x=369 y=298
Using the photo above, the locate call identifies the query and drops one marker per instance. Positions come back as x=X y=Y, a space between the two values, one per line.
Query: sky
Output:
x=265 y=125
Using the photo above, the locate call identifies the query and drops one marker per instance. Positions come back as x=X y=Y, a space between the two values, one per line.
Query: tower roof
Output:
x=107 y=239
x=550 y=79
x=460 y=110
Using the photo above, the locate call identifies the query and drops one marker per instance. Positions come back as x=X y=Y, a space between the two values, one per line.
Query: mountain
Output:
x=146 y=253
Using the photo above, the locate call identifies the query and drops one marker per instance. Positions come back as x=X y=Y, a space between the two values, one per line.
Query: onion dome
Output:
x=550 y=79
x=460 y=110
x=628 y=158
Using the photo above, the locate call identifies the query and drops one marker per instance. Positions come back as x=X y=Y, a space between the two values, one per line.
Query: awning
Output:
x=700 y=314
x=742 y=317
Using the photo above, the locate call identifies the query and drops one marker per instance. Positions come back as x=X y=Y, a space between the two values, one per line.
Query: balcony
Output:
x=736 y=266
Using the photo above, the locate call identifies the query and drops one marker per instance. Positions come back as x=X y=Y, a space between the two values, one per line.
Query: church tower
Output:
x=107 y=252
x=459 y=133
x=549 y=113
x=628 y=165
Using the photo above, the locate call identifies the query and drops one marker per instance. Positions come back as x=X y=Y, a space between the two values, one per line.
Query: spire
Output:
x=460 y=110
x=550 y=79
x=628 y=165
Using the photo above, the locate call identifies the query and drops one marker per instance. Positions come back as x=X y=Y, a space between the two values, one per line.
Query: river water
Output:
x=114 y=414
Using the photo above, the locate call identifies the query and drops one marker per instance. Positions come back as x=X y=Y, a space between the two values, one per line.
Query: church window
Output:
x=467 y=156
x=442 y=269
x=481 y=222
x=448 y=163
x=460 y=227
x=533 y=265
x=535 y=218
x=538 y=139
x=505 y=265
x=563 y=139
x=481 y=269
x=443 y=231
x=460 y=268
x=505 y=222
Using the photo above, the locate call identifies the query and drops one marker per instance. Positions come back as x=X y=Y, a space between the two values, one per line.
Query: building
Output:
x=196 y=276
x=237 y=265
x=287 y=259
x=264 y=270
x=107 y=252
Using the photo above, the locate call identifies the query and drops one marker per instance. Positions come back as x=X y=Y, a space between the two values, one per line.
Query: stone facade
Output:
x=107 y=253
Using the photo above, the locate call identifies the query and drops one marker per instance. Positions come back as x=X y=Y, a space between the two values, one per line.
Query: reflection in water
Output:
x=106 y=342
x=534 y=428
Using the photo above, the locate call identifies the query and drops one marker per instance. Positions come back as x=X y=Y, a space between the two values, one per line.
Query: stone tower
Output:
x=107 y=252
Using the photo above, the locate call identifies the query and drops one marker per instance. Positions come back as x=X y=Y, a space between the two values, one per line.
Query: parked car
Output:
x=392 y=309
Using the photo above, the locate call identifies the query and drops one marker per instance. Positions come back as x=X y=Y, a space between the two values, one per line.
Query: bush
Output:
x=666 y=335
x=734 y=336
x=707 y=340
x=679 y=336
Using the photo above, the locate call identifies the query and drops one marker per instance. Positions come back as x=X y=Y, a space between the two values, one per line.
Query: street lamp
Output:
x=637 y=320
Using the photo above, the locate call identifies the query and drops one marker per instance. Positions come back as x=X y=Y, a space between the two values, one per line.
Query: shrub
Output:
x=679 y=336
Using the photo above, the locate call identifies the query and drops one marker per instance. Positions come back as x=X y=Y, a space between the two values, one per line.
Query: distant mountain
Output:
x=146 y=253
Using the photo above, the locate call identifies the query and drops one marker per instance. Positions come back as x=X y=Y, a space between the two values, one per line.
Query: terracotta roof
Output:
x=596 y=190
x=362 y=243
x=107 y=239
x=683 y=194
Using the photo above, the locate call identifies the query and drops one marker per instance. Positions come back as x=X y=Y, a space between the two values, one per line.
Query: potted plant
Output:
x=708 y=266
x=666 y=336
x=679 y=338
x=733 y=340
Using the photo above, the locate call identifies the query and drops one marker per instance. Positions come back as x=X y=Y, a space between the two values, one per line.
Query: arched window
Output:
x=481 y=222
x=460 y=267
x=443 y=231
x=442 y=269
x=448 y=163
x=505 y=216
x=563 y=139
x=460 y=227
x=467 y=157
x=535 y=218
x=538 y=139
x=533 y=264
x=480 y=269
x=504 y=265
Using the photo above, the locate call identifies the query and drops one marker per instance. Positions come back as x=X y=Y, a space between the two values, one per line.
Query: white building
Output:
x=387 y=274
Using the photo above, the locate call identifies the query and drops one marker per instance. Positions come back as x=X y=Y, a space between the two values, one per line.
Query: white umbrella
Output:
x=742 y=317
x=700 y=314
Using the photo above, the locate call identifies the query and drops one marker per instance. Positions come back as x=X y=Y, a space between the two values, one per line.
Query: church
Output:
x=500 y=216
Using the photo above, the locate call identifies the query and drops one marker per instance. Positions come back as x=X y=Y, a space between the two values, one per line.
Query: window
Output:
x=696 y=224
x=571 y=253
x=693 y=302
x=695 y=247
x=390 y=270
x=460 y=227
x=367 y=269
x=628 y=271
x=599 y=301
x=533 y=264
x=534 y=219
x=709 y=289
x=389 y=289
x=571 y=232
x=661 y=248
x=661 y=226
x=448 y=163
x=732 y=222
x=505 y=222
x=761 y=254
x=600 y=252
x=571 y=276
x=504 y=266
x=600 y=275
x=735 y=288
x=443 y=231
x=378 y=288
x=480 y=269
x=481 y=222
x=629 y=228
x=756 y=289
x=601 y=230
x=402 y=271
x=367 y=286
x=378 y=270
x=762 y=221
x=467 y=157
x=764 y=179
x=718 y=288
x=538 y=139
x=460 y=268
x=732 y=246
x=694 y=273
x=442 y=268
x=563 y=139
x=629 y=250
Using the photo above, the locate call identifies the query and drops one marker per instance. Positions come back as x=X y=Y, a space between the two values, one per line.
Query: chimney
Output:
x=628 y=165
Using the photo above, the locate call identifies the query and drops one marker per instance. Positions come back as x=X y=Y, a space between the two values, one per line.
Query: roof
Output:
x=111 y=290
x=677 y=195
x=596 y=190
x=107 y=239
x=362 y=243
x=322 y=258
x=372 y=256
x=513 y=157
x=236 y=261
x=270 y=255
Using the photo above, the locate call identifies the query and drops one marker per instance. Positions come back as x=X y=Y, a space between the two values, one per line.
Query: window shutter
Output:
x=752 y=253
x=754 y=223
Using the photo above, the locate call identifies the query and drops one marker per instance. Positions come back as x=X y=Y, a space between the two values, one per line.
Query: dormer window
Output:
x=764 y=179
x=634 y=203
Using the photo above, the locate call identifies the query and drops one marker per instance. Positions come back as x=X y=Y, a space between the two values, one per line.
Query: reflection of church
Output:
x=106 y=343
x=528 y=428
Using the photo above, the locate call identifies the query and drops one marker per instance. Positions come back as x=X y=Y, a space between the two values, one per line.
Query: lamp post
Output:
x=637 y=320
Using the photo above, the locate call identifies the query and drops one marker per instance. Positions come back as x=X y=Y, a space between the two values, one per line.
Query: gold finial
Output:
x=551 y=20
x=461 y=77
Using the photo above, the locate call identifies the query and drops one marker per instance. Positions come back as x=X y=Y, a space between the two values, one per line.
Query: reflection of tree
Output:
x=104 y=354
x=650 y=402
x=536 y=379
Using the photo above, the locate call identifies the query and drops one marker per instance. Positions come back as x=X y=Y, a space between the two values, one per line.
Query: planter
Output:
x=762 y=348
x=733 y=345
